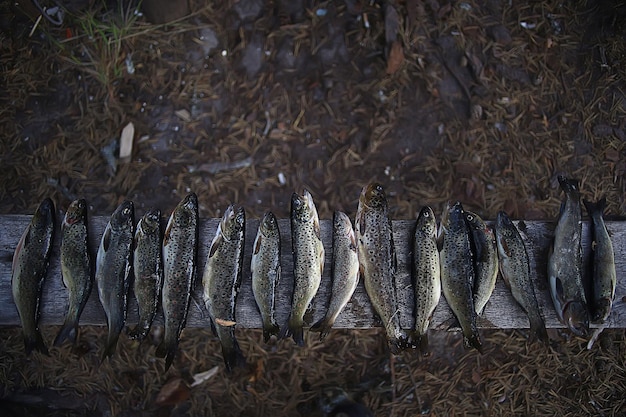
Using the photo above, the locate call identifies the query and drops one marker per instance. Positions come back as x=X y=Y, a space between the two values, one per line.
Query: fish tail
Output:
x=34 y=341
x=538 y=331
x=597 y=207
x=473 y=341
x=569 y=186
x=295 y=329
x=69 y=331
x=233 y=356
x=323 y=326
x=164 y=350
x=139 y=332
x=420 y=341
x=601 y=310
x=270 y=329
x=111 y=345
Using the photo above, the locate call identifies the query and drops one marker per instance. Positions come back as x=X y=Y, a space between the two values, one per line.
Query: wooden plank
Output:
x=500 y=312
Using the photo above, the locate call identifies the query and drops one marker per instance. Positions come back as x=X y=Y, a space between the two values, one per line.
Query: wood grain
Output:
x=500 y=312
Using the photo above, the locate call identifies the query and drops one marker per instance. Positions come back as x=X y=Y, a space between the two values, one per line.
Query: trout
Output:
x=30 y=262
x=345 y=272
x=76 y=268
x=221 y=282
x=308 y=262
x=377 y=261
x=426 y=275
x=113 y=270
x=148 y=271
x=515 y=269
x=180 y=245
x=565 y=265
x=485 y=260
x=457 y=272
x=265 y=268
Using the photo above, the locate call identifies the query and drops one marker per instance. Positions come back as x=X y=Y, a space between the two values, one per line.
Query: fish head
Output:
x=75 y=212
x=123 y=216
x=186 y=212
x=576 y=318
x=45 y=212
x=341 y=223
x=453 y=216
x=373 y=196
x=303 y=208
x=152 y=219
x=269 y=224
x=426 y=221
x=232 y=222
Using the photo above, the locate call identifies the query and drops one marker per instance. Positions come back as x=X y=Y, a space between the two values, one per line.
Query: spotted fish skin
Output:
x=221 y=282
x=457 y=272
x=113 y=271
x=180 y=246
x=565 y=265
x=515 y=269
x=345 y=272
x=265 y=268
x=308 y=260
x=426 y=275
x=76 y=268
x=377 y=261
x=485 y=260
x=604 y=275
x=28 y=271
x=148 y=271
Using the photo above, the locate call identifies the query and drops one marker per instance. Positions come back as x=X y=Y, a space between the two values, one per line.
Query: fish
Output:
x=426 y=273
x=180 y=246
x=76 y=268
x=457 y=272
x=28 y=271
x=515 y=270
x=485 y=260
x=265 y=268
x=604 y=275
x=565 y=264
x=308 y=262
x=147 y=270
x=113 y=264
x=345 y=272
x=378 y=263
x=221 y=282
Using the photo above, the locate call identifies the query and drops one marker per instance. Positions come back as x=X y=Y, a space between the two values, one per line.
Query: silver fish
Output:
x=30 y=262
x=604 y=276
x=148 y=270
x=308 y=262
x=515 y=269
x=457 y=272
x=265 y=269
x=565 y=266
x=76 y=268
x=222 y=279
x=345 y=272
x=426 y=275
x=485 y=260
x=113 y=270
x=180 y=246
x=377 y=261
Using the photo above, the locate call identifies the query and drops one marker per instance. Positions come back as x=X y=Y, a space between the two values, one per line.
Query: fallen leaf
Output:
x=201 y=377
x=396 y=57
x=126 y=142
x=226 y=323
x=183 y=115
x=174 y=392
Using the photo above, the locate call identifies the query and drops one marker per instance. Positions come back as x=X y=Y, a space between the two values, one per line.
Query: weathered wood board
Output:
x=500 y=312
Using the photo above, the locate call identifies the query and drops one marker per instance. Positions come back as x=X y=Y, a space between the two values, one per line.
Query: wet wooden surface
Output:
x=500 y=312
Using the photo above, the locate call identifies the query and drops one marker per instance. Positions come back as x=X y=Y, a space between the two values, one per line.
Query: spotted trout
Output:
x=565 y=265
x=222 y=279
x=457 y=272
x=113 y=271
x=76 y=268
x=30 y=262
x=180 y=245
x=426 y=275
x=345 y=272
x=265 y=269
x=515 y=269
x=308 y=262
x=148 y=271
x=485 y=260
x=377 y=261
x=604 y=276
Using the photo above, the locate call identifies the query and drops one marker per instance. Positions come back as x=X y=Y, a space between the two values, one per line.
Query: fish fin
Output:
x=213 y=328
x=597 y=207
x=360 y=221
x=35 y=342
x=257 y=244
x=322 y=326
x=106 y=239
x=269 y=330
x=215 y=245
x=296 y=330
x=316 y=228
x=68 y=331
x=397 y=345
x=233 y=357
x=167 y=349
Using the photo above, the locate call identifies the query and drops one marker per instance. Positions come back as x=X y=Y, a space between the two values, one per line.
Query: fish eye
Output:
x=470 y=217
x=426 y=214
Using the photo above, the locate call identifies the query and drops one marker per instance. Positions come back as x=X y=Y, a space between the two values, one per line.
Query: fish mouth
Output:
x=191 y=201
